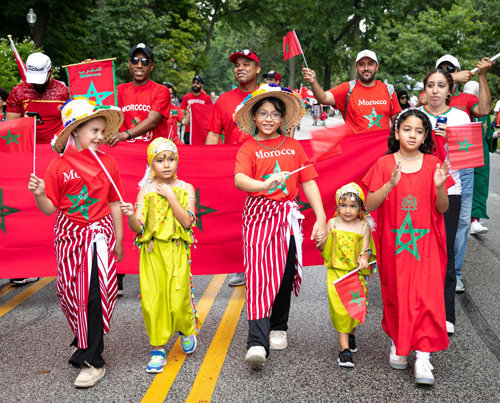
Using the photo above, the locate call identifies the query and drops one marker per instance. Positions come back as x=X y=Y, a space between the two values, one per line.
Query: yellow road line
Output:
x=4 y=290
x=205 y=381
x=162 y=383
x=12 y=303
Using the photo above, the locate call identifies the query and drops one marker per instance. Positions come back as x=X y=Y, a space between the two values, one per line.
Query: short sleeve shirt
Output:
x=137 y=101
x=56 y=91
x=497 y=107
x=70 y=194
x=464 y=102
x=369 y=108
x=258 y=162
x=221 y=121
x=190 y=98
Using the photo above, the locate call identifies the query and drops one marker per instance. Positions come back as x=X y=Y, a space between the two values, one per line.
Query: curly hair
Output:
x=446 y=75
x=427 y=147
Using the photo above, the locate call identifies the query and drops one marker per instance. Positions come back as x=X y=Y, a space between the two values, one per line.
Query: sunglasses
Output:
x=404 y=97
x=144 y=61
x=449 y=69
x=246 y=52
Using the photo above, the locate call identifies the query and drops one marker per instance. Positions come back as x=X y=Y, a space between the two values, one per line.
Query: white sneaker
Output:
x=277 y=340
x=89 y=376
x=450 y=327
x=397 y=361
x=239 y=279
x=460 y=286
x=256 y=355
x=423 y=372
x=22 y=281
x=477 y=228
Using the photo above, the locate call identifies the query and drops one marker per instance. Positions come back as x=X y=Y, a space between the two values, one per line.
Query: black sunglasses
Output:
x=135 y=60
x=246 y=52
x=449 y=69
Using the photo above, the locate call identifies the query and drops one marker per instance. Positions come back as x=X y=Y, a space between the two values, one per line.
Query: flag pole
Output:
x=350 y=273
x=106 y=172
x=301 y=51
x=34 y=143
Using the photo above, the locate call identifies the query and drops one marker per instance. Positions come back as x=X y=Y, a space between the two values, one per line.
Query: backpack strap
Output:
x=352 y=84
x=390 y=90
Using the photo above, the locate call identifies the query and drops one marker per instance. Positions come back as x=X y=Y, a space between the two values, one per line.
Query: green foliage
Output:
x=10 y=73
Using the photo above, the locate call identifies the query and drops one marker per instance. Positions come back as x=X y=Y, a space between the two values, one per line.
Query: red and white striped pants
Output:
x=267 y=226
x=74 y=246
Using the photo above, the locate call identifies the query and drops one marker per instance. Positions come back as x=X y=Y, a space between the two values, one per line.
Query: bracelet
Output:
x=129 y=135
x=386 y=192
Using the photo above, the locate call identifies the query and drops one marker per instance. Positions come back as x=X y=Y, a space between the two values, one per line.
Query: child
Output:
x=349 y=247
x=88 y=233
x=162 y=221
x=272 y=233
x=408 y=188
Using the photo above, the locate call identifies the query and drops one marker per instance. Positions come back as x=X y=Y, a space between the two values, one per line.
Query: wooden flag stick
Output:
x=296 y=37
x=106 y=172
x=300 y=169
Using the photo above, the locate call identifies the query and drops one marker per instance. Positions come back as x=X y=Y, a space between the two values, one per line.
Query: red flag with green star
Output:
x=17 y=135
x=291 y=46
x=465 y=145
x=352 y=295
x=325 y=143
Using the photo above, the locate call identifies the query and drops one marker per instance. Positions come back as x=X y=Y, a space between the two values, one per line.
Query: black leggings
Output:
x=451 y=218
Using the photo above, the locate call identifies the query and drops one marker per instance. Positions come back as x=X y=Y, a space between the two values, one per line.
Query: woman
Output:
x=403 y=99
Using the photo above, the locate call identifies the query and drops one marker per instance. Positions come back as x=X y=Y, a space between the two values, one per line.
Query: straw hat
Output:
x=295 y=109
x=77 y=111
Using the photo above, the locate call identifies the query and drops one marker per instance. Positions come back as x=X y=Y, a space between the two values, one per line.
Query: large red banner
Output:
x=26 y=235
x=94 y=80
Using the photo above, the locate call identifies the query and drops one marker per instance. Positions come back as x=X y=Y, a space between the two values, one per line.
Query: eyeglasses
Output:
x=144 y=61
x=449 y=69
x=246 y=52
x=404 y=97
x=261 y=114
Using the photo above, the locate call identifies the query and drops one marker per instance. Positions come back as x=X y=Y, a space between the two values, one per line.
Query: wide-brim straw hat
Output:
x=295 y=109
x=77 y=111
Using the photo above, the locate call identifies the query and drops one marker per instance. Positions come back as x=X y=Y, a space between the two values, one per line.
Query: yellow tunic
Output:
x=341 y=253
x=165 y=270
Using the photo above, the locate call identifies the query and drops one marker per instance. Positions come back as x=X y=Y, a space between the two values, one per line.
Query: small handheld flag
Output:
x=17 y=135
x=291 y=47
x=107 y=173
x=465 y=145
x=20 y=63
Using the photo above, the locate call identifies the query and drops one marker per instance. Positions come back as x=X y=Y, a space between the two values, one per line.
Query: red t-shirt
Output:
x=190 y=98
x=464 y=102
x=221 y=120
x=137 y=101
x=369 y=108
x=258 y=162
x=70 y=194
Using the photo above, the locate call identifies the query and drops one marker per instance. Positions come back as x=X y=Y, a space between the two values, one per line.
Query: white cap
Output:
x=449 y=58
x=472 y=87
x=367 y=53
x=38 y=66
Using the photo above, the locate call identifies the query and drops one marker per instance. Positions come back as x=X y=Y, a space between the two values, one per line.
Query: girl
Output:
x=408 y=188
x=272 y=233
x=88 y=232
x=162 y=221
x=349 y=247
x=438 y=85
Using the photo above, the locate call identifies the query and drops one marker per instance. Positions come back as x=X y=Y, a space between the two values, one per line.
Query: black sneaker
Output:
x=352 y=344
x=119 y=278
x=345 y=359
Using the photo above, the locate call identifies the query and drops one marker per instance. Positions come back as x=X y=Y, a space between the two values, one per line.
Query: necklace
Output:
x=271 y=149
x=408 y=159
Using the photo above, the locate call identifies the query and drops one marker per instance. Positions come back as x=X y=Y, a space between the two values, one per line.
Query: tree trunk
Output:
x=291 y=78
x=42 y=17
x=212 y=26
x=355 y=46
x=327 y=80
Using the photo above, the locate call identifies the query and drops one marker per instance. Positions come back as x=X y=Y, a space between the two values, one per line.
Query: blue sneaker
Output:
x=188 y=343
x=158 y=360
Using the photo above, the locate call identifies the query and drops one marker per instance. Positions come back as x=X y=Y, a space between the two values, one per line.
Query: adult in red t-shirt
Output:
x=144 y=103
x=198 y=96
x=175 y=115
x=372 y=104
x=39 y=93
x=220 y=122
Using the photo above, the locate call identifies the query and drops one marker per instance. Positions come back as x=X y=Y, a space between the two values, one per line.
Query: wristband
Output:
x=129 y=135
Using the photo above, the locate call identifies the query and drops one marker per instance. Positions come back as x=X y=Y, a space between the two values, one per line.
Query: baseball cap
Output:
x=273 y=74
x=199 y=78
x=367 y=53
x=245 y=52
x=140 y=46
x=449 y=58
x=472 y=87
x=38 y=66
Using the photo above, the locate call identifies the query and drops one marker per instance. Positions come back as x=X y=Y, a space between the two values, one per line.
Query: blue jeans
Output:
x=467 y=180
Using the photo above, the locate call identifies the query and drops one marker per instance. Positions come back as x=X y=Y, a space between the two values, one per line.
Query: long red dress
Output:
x=411 y=257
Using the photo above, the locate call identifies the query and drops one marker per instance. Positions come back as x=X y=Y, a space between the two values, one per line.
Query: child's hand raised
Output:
x=164 y=190
x=36 y=185
x=127 y=209
x=396 y=174
x=275 y=180
x=441 y=174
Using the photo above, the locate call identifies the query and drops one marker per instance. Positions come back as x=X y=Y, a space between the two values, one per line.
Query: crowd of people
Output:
x=418 y=278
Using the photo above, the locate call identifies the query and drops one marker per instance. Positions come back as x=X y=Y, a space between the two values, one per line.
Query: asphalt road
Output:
x=35 y=338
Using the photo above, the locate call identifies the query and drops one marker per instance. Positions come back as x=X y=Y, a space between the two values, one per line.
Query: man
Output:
x=39 y=93
x=220 y=122
x=26 y=97
x=195 y=96
x=413 y=100
x=366 y=104
x=213 y=97
x=176 y=115
x=273 y=77
x=145 y=104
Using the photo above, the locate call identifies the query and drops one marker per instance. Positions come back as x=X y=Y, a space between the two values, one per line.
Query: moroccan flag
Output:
x=325 y=143
x=291 y=45
x=50 y=113
x=465 y=145
x=352 y=295
x=94 y=81
x=17 y=135
x=305 y=93
x=20 y=62
x=198 y=119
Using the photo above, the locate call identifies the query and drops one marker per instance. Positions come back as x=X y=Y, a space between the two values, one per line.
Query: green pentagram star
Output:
x=201 y=210
x=81 y=203
x=5 y=211
x=282 y=187
x=356 y=298
x=11 y=138
x=464 y=145
x=416 y=234
x=92 y=93
x=373 y=119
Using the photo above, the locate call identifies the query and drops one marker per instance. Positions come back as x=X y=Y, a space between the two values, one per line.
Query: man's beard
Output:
x=41 y=88
x=367 y=81
x=195 y=89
